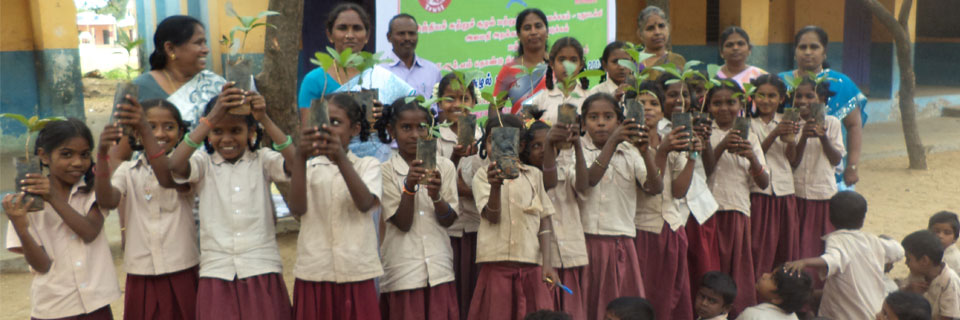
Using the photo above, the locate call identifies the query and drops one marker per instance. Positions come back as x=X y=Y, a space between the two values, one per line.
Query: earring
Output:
x=173 y=57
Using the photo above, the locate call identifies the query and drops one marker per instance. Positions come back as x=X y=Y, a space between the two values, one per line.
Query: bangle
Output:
x=280 y=147
x=438 y=200
x=159 y=153
x=553 y=168
x=206 y=122
x=544 y=232
x=758 y=172
x=404 y=188
x=449 y=212
x=186 y=139
x=597 y=162
x=491 y=209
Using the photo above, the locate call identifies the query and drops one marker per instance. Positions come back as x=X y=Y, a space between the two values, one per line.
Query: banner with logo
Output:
x=481 y=34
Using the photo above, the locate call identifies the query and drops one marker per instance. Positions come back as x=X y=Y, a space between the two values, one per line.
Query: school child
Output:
x=715 y=296
x=630 y=308
x=783 y=294
x=609 y=205
x=458 y=100
x=515 y=237
x=946 y=226
x=737 y=165
x=566 y=49
x=160 y=250
x=416 y=251
x=68 y=229
x=240 y=265
x=903 y=305
x=659 y=219
x=774 y=226
x=930 y=276
x=337 y=258
x=852 y=261
x=564 y=177
x=702 y=247
x=819 y=150
x=616 y=77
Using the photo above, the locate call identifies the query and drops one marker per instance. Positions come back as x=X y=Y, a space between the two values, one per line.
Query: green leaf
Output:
x=14 y=116
x=42 y=123
x=410 y=99
x=345 y=56
x=712 y=71
x=589 y=73
x=692 y=63
x=569 y=68
x=267 y=14
x=323 y=60
x=629 y=64
x=575 y=95
x=671 y=81
x=229 y=8
x=247 y=22
x=32 y=122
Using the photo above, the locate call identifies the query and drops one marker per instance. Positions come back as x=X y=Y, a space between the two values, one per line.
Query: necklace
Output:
x=170 y=81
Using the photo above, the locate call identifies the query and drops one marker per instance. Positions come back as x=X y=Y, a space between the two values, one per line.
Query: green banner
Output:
x=481 y=34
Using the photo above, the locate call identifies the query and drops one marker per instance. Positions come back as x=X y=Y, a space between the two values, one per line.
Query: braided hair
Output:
x=354 y=111
x=56 y=133
x=607 y=51
x=390 y=115
x=560 y=44
x=531 y=132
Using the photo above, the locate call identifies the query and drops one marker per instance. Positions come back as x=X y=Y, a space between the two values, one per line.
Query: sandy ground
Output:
x=900 y=200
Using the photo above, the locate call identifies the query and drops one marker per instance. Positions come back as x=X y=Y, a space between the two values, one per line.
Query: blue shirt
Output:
x=423 y=75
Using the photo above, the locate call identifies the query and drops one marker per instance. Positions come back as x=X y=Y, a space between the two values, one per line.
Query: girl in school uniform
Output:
x=819 y=150
x=160 y=249
x=515 y=237
x=240 y=265
x=564 y=177
x=773 y=210
x=737 y=165
x=659 y=221
x=609 y=205
x=416 y=251
x=458 y=100
x=73 y=273
x=565 y=49
x=337 y=258
x=614 y=80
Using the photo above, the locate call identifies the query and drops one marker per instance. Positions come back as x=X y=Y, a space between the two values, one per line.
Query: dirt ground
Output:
x=900 y=200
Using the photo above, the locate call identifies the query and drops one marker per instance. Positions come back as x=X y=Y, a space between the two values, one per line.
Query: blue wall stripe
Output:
x=18 y=88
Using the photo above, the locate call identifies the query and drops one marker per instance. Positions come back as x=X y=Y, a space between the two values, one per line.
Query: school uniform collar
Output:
x=447 y=134
x=323 y=160
x=769 y=306
x=248 y=155
x=400 y=166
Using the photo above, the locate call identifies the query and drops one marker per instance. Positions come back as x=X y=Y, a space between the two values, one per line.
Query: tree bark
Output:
x=277 y=82
x=908 y=79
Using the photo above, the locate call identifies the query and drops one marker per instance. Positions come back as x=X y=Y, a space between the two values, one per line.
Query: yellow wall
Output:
x=828 y=14
x=688 y=22
x=781 y=29
x=627 y=12
x=55 y=23
x=751 y=15
x=16 y=30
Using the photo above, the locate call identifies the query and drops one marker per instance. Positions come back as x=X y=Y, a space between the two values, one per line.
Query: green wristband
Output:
x=280 y=147
x=186 y=139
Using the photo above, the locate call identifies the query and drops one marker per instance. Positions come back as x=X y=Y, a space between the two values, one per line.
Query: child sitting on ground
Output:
x=946 y=226
x=853 y=261
x=930 y=276
x=629 y=308
x=715 y=296
x=902 y=305
x=783 y=294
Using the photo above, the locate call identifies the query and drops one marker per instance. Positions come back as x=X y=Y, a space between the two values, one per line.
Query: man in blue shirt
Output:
x=419 y=73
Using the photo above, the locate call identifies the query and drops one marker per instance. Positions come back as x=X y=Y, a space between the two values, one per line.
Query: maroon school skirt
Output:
x=736 y=259
x=814 y=224
x=613 y=271
x=165 y=296
x=774 y=231
x=330 y=300
x=258 y=297
x=663 y=261
x=432 y=303
x=508 y=290
x=572 y=304
x=100 y=314
x=455 y=243
x=469 y=271
x=703 y=253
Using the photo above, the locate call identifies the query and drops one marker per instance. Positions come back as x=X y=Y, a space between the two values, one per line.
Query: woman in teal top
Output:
x=848 y=104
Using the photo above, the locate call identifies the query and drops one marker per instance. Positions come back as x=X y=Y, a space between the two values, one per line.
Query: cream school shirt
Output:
x=337 y=241
x=655 y=210
x=766 y=311
x=944 y=294
x=731 y=180
x=570 y=248
x=610 y=207
x=781 y=173
x=854 y=287
x=607 y=86
x=421 y=257
x=238 y=238
x=81 y=278
x=951 y=256
x=814 y=178
x=161 y=232
x=550 y=100
x=448 y=140
x=469 y=215
x=523 y=204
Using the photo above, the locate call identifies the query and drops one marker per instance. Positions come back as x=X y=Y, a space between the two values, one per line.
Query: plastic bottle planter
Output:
x=319 y=113
x=427 y=152
x=566 y=114
x=240 y=70
x=504 y=151
x=119 y=97
x=23 y=168
x=792 y=115
x=818 y=112
x=466 y=129
x=365 y=98
x=632 y=109
x=701 y=119
x=742 y=124
x=686 y=120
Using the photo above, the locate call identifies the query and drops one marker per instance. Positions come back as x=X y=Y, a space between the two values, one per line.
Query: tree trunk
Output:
x=277 y=82
x=908 y=79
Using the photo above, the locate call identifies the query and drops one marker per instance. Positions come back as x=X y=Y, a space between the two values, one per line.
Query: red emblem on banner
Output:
x=435 y=6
